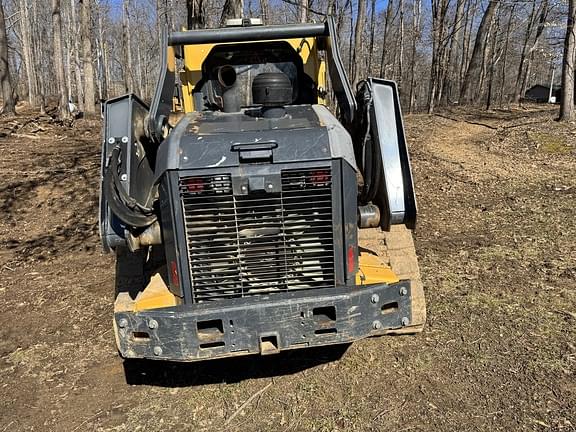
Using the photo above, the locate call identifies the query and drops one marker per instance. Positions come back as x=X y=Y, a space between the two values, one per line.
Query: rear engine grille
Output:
x=259 y=243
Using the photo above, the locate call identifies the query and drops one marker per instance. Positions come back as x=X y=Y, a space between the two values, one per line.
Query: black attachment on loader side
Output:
x=128 y=161
x=382 y=153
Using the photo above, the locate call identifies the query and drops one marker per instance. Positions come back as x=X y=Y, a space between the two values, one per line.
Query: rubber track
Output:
x=396 y=249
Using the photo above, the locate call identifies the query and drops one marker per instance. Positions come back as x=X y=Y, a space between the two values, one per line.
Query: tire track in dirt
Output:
x=466 y=150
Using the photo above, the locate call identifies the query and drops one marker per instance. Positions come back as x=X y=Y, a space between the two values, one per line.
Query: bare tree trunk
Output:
x=77 y=70
x=59 y=58
x=372 y=28
x=505 y=55
x=159 y=15
x=340 y=18
x=435 y=49
x=303 y=11
x=232 y=9
x=472 y=77
x=8 y=100
x=196 y=19
x=443 y=66
x=89 y=102
x=38 y=65
x=469 y=22
x=106 y=74
x=140 y=78
x=401 y=45
x=439 y=12
x=265 y=11
x=67 y=35
x=101 y=57
x=164 y=7
x=27 y=53
x=127 y=39
x=454 y=55
x=358 y=34
x=567 y=109
x=387 y=25
x=107 y=67
x=100 y=79
x=493 y=61
x=331 y=7
x=351 y=42
x=485 y=56
x=525 y=77
x=416 y=7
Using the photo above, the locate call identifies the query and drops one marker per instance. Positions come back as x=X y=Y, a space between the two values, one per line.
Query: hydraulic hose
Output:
x=369 y=151
x=123 y=205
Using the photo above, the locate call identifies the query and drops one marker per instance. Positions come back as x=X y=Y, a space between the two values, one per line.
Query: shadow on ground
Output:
x=231 y=370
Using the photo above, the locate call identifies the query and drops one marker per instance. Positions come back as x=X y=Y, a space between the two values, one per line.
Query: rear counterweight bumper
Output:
x=264 y=324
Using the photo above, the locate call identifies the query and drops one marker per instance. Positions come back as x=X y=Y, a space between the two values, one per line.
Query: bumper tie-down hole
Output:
x=327 y=331
x=269 y=344
x=212 y=345
x=210 y=334
x=389 y=308
x=325 y=313
x=140 y=336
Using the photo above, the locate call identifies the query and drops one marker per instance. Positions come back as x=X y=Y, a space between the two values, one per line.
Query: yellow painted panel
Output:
x=371 y=270
x=155 y=295
x=321 y=82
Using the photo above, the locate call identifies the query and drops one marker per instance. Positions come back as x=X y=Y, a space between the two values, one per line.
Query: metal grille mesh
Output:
x=259 y=243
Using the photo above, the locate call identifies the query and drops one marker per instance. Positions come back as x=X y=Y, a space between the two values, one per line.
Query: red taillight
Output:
x=194 y=185
x=174 y=274
x=319 y=178
x=351 y=260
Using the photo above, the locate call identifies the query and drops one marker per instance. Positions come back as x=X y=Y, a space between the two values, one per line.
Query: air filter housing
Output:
x=272 y=90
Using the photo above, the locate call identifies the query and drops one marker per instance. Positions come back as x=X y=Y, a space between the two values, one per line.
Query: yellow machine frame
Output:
x=195 y=55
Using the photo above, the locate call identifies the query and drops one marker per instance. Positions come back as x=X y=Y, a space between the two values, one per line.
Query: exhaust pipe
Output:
x=227 y=79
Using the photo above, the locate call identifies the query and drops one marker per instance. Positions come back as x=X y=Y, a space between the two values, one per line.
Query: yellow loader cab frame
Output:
x=194 y=57
x=314 y=44
x=235 y=222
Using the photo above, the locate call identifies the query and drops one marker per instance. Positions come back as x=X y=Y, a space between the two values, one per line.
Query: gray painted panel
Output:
x=193 y=144
x=340 y=140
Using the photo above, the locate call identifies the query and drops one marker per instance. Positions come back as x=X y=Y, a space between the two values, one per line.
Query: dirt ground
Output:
x=497 y=246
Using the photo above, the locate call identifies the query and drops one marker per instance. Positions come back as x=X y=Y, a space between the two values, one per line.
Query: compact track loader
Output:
x=235 y=202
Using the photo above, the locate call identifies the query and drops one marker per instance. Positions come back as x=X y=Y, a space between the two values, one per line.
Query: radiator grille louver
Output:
x=259 y=243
